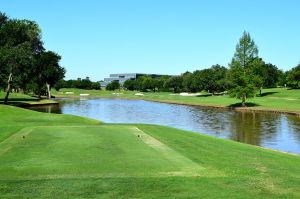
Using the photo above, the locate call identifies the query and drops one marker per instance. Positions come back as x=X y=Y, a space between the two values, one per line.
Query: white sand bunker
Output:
x=190 y=94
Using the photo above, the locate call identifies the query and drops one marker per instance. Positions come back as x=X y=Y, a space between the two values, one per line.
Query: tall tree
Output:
x=48 y=71
x=15 y=60
x=3 y=20
x=243 y=80
x=20 y=40
x=246 y=50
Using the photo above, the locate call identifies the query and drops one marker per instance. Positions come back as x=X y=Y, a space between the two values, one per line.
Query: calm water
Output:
x=276 y=131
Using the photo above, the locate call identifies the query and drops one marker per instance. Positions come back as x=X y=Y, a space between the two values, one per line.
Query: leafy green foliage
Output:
x=293 y=77
x=211 y=79
x=49 y=71
x=85 y=83
x=130 y=84
x=24 y=63
x=114 y=85
x=175 y=83
x=243 y=79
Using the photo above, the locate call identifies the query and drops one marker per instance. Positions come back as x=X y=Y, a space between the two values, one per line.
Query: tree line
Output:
x=246 y=74
x=85 y=83
x=25 y=65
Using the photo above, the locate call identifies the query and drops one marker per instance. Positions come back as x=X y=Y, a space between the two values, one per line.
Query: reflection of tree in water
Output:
x=214 y=122
x=47 y=109
x=294 y=127
x=253 y=127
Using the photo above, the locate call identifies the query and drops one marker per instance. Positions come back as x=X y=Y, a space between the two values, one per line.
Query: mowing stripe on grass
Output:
x=6 y=144
x=186 y=167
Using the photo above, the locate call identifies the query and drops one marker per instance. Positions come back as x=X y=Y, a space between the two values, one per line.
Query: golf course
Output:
x=149 y=99
x=56 y=156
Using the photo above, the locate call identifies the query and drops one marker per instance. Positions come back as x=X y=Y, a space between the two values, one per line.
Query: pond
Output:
x=275 y=131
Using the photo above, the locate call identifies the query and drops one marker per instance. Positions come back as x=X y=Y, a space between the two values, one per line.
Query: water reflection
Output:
x=275 y=131
x=47 y=108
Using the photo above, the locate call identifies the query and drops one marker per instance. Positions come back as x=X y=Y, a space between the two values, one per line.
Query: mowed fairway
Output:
x=61 y=156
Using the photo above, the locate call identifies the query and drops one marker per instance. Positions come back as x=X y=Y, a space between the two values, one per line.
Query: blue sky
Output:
x=99 y=37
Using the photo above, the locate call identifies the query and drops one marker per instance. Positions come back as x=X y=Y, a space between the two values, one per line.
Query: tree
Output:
x=241 y=76
x=219 y=78
x=20 y=41
x=130 y=84
x=78 y=83
x=160 y=82
x=272 y=75
x=187 y=79
x=174 y=83
x=49 y=71
x=3 y=20
x=114 y=85
x=293 y=77
x=96 y=86
x=266 y=75
x=282 y=79
x=15 y=59
x=211 y=79
x=145 y=82
x=246 y=51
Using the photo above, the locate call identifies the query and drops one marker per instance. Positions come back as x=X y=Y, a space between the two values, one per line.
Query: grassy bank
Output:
x=61 y=156
x=20 y=99
x=277 y=99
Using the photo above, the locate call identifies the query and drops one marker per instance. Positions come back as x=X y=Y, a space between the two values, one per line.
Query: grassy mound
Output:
x=47 y=155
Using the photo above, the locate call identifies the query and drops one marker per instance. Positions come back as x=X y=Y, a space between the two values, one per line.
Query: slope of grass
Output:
x=280 y=99
x=63 y=156
x=13 y=119
x=20 y=99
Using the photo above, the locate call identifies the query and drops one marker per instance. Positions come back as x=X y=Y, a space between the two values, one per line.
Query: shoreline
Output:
x=228 y=108
x=240 y=109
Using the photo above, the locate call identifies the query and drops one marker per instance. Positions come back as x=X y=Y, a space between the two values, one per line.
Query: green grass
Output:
x=20 y=99
x=280 y=99
x=62 y=156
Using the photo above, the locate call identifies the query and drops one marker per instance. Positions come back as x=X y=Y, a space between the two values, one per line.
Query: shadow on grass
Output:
x=239 y=105
x=204 y=95
x=292 y=89
x=20 y=100
x=266 y=94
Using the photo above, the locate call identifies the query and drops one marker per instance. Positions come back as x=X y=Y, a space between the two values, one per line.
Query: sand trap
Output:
x=190 y=94
x=139 y=94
